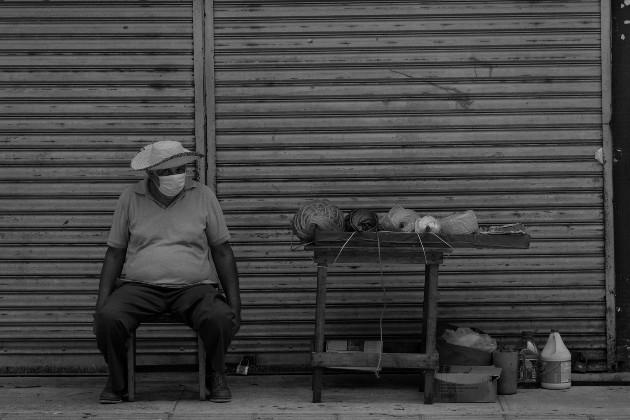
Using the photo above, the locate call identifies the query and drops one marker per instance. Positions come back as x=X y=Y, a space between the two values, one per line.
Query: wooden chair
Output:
x=166 y=318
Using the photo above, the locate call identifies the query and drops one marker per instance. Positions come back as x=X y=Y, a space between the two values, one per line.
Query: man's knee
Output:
x=217 y=322
x=108 y=319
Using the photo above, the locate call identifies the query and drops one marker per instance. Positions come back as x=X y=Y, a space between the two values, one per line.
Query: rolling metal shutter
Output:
x=438 y=106
x=83 y=85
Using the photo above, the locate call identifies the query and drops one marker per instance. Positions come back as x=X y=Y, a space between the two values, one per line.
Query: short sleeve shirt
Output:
x=169 y=246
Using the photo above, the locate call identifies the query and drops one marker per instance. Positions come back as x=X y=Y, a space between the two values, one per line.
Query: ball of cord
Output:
x=399 y=219
x=361 y=220
x=316 y=215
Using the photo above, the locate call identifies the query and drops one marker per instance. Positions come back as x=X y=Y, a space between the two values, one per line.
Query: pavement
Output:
x=168 y=395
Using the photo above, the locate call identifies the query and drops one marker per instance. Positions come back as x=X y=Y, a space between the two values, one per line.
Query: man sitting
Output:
x=170 y=235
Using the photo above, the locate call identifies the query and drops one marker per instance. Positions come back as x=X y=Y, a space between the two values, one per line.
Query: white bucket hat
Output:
x=163 y=154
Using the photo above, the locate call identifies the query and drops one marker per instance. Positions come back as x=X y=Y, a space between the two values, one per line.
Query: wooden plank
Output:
x=385 y=360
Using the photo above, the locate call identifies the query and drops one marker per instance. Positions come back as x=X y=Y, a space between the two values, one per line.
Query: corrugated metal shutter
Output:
x=83 y=85
x=438 y=106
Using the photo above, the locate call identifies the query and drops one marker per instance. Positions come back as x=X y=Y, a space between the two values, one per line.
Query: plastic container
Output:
x=528 y=361
x=556 y=363
x=460 y=223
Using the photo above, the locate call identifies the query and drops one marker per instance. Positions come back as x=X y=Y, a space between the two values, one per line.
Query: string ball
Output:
x=399 y=219
x=316 y=215
x=361 y=220
x=427 y=224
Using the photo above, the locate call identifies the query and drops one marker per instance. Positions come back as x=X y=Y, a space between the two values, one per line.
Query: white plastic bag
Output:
x=466 y=337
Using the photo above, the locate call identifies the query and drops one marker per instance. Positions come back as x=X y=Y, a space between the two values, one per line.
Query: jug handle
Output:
x=523 y=359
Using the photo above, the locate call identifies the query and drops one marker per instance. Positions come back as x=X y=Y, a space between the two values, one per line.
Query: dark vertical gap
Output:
x=620 y=126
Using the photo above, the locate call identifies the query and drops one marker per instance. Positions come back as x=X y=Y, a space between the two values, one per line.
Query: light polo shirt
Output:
x=169 y=246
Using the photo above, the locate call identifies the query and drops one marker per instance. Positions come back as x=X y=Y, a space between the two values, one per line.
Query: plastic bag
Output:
x=468 y=338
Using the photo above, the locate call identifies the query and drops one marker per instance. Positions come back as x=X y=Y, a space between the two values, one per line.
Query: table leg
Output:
x=320 y=318
x=429 y=324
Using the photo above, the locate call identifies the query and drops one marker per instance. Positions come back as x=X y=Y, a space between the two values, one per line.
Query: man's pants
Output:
x=202 y=307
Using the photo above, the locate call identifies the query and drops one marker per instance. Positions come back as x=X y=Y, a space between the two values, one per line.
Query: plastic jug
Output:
x=528 y=361
x=556 y=363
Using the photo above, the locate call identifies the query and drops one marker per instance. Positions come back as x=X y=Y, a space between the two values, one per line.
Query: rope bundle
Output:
x=427 y=224
x=399 y=219
x=361 y=220
x=316 y=215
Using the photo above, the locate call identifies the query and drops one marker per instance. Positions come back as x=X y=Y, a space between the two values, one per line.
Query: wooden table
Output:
x=391 y=248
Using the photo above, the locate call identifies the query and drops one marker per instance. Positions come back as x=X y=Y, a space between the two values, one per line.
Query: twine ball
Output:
x=399 y=219
x=361 y=220
x=316 y=215
x=427 y=224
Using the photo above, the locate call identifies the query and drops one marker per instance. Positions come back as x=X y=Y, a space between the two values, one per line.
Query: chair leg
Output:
x=201 y=356
x=131 y=366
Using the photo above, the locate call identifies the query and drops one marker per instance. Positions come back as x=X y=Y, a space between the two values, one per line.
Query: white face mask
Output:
x=171 y=185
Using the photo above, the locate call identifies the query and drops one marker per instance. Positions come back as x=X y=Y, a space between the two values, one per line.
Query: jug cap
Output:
x=555 y=330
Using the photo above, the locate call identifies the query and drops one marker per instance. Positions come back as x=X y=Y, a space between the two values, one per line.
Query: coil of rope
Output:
x=361 y=220
x=316 y=215
x=399 y=219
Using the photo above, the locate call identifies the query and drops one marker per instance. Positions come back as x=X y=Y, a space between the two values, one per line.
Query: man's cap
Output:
x=163 y=154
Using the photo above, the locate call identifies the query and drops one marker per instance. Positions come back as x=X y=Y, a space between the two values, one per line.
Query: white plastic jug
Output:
x=556 y=363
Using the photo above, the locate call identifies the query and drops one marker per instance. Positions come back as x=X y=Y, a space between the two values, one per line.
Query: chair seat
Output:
x=164 y=318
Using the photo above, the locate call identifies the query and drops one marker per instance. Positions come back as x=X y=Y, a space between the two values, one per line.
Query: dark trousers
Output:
x=202 y=307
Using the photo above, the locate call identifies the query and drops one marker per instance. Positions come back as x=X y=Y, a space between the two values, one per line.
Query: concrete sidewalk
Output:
x=284 y=397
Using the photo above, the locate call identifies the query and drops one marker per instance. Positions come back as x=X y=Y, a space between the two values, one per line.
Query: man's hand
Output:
x=237 y=322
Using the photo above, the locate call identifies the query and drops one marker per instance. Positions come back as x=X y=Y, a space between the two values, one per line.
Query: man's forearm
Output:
x=110 y=272
x=228 y=275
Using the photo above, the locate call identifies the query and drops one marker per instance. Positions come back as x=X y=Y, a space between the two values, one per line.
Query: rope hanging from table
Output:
x=361 y=220
x=316 y=215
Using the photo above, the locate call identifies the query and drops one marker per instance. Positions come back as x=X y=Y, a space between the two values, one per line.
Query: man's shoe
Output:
x=217 y=385
x=108 y=396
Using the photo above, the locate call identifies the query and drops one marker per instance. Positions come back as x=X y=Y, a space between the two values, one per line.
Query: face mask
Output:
x=171 y=185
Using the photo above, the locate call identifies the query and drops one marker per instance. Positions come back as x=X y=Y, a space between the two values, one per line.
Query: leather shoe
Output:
x=218 y=387
x=108 y=396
